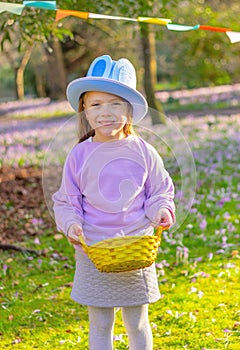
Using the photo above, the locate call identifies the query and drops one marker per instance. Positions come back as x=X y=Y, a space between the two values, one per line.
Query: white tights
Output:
x=136 y=322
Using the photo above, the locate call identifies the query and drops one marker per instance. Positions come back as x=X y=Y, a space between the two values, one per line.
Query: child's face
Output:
x=107 y=114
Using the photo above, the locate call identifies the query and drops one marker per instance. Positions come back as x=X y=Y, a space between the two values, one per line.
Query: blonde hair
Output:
x=84 y=129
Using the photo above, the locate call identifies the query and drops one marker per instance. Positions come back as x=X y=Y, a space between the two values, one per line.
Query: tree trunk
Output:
x=40 y=83
x=20 y=73
x=150 y=73
x=56 y=75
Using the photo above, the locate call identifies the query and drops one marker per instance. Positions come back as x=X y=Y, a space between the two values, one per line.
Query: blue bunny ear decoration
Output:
x=121 y=70
x=113 y=77
x=124 y=71
x=101 y=67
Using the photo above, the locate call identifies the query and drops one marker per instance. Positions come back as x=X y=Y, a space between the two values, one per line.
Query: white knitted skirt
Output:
x=94 y=288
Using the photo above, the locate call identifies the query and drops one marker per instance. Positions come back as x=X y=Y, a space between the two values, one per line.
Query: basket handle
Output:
x=159 y=230
x=83 y=243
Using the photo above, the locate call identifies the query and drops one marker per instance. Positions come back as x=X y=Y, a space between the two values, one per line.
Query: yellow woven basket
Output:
x=124 y=253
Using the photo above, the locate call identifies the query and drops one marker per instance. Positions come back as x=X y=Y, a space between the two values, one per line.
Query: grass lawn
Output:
x=199 y=307
x=198 y=267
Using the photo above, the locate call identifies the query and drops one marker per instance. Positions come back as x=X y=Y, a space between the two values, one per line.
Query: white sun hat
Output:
x=114 y=77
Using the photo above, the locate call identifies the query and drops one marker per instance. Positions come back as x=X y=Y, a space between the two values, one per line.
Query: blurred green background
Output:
x=39 y=56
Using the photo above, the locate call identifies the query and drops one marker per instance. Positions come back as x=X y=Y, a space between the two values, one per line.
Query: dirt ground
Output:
x=23 y=211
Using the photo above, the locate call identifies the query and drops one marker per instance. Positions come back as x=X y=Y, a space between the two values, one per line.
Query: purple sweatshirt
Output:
x=112 y=189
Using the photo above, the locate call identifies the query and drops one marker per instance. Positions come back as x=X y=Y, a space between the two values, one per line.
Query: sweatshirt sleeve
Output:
x=68 y=199
x=159 y=187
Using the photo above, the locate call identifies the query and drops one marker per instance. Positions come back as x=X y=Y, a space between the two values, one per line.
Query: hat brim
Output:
x=78 y=86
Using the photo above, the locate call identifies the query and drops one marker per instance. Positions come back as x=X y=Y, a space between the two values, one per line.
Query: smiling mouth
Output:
x=106 y=123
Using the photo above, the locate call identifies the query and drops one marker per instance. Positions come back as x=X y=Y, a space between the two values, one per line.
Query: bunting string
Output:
x=17 y=9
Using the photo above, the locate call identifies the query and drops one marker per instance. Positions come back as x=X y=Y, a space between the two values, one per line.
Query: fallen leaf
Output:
x=58 y=236
x=70 y=284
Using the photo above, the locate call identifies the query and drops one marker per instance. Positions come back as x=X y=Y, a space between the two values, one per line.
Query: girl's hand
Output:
x=164 y=218
x=73 y=234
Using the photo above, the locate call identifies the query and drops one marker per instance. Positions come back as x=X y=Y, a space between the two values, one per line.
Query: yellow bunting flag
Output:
x=152 y=20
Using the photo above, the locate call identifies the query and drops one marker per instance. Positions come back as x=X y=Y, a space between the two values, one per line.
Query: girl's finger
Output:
x=164 y=224
x=73 y=241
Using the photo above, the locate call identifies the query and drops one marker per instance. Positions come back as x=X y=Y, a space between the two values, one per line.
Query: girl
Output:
x=114 y=184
